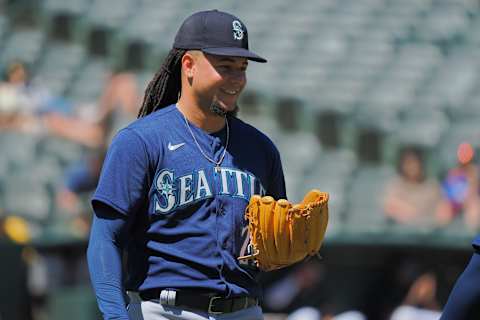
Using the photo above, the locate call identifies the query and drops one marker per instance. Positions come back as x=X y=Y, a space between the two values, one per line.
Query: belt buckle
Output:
x=210 y=306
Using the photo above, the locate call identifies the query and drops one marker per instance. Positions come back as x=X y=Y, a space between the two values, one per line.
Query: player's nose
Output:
x=238 y=77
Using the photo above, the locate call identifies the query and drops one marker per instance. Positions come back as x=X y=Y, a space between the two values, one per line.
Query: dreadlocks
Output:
x=165 y=86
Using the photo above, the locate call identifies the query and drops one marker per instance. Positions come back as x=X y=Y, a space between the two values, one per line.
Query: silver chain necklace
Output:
x=216 y=163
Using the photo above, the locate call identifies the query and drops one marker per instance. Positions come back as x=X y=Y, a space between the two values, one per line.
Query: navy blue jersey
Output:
x=476 y=244
x=463 y=301
x=188 y=217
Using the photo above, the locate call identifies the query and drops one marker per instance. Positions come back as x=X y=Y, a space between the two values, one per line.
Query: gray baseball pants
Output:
x=151 y=310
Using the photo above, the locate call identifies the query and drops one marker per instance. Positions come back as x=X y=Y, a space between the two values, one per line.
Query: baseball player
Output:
x=463 y=302
x=175 y=185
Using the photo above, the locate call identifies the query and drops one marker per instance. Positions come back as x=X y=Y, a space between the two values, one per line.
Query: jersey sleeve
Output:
x=463 y=299
x=476 y=244
x=124 y=177
x=107 y=239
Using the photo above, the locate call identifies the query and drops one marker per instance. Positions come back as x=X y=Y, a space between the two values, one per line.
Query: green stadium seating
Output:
x=59 y=66
x=89 y=82
x=3 y=25
x=60 y=150
x=27 y=197
x=331 y=173
x=75 y=7
x=23 y=45
x=365 y=213
x=362 y=79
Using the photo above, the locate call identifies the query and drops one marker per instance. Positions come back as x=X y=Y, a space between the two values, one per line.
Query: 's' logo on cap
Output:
x=237 y=30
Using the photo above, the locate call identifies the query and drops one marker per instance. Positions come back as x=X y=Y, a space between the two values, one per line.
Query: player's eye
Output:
x=224 y=67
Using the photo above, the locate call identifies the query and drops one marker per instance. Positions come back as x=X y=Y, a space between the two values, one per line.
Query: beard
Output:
x=216 y=109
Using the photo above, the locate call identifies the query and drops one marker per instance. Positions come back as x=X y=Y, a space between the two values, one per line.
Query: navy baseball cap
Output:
x=215 y=32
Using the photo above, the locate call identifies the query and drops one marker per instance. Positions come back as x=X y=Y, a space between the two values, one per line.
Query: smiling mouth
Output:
x=229 y=92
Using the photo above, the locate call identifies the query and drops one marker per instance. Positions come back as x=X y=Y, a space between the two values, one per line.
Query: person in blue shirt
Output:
x=464 y=300
x=175 y=183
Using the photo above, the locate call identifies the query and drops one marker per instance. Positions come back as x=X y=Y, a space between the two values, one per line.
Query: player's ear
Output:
x=188 y=64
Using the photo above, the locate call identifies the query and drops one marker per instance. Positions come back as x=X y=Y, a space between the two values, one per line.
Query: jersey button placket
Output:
x=217 y=150
x=219 y=210
x=222 y=239
x=219 y=217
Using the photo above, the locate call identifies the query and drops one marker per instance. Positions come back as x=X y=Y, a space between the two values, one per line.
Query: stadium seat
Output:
x=365 y=213
x=110 y=13
x=298 y=156
x=332 y=173
x=27 y=198
x=89 y=82
x=60 y=150
x=455 y=79
x=469 y=109
x=443 y=23
x=18 y=157
x=23 y=45
x=421 y=127
x=3 y=25
x=74 y=7
x=58 y=66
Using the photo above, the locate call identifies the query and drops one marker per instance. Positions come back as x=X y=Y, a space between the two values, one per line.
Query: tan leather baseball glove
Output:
x=281 y=233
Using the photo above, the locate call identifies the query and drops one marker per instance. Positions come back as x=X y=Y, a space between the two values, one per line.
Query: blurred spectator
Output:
x=411 y=198
x=349 y=315
x=305 y=313
x=295 y=288
x=117 y=106
x=15 y=103
x=299 y=290
x=310 y=313
x=460 y=191
x=21 y=102
x=420 y=302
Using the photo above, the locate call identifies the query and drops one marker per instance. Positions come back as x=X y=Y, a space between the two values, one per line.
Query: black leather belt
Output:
x=209 y=303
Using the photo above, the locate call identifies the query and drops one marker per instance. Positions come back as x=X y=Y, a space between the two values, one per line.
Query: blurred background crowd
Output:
x=374 y=101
